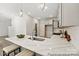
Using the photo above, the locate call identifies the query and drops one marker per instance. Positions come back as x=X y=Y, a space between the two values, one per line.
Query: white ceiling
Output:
x=13 y=9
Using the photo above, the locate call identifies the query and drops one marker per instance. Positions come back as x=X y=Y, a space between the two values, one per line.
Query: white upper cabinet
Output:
x=70 y=14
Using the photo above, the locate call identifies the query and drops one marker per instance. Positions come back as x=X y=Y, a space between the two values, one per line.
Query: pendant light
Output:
x=21 y=12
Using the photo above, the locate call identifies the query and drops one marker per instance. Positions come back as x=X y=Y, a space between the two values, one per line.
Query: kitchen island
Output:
x=47 y=47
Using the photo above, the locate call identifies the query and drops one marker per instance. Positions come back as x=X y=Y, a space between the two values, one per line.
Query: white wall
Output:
x=19 y=25
x=70 y=14
x=23 y=25
x=4 y=23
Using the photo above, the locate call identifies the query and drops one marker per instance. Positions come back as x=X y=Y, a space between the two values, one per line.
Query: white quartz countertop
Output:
x=40 y=47
x=36 y=46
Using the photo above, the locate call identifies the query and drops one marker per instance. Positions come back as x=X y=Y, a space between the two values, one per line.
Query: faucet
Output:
x=62 y=33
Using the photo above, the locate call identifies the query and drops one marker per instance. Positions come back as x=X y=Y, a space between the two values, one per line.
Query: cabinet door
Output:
x=70 y=14
x=48 y=31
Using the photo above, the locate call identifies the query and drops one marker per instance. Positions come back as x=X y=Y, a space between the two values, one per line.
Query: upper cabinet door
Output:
x=70 y=14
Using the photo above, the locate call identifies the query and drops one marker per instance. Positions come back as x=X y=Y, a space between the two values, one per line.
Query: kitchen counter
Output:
x=44 y=47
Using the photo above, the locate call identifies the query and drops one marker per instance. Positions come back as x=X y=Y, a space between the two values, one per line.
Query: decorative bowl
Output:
x=20 y=36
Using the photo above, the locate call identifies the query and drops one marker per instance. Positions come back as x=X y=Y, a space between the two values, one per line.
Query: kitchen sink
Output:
x=37 y=39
